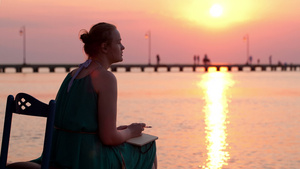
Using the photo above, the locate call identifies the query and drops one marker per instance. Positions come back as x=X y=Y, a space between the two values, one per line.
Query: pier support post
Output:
x=127 y=69
x=292 y=68
x=273 y=68
x=218 y=68
x=252 y=68
x=113 y=69
x=240 y=68
x=180 y=69
x=68 y=69
x=229 y=68
x=18 y=69
x=155 y=68
x=35 y=69
x=168 y=69
x=52 y=69
x=283 y=68
x=142 y=69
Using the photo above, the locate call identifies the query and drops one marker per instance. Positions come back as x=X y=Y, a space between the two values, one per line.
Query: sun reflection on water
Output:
x=215 y=86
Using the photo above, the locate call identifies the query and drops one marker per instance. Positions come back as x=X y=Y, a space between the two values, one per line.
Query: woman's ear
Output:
x=104 y=47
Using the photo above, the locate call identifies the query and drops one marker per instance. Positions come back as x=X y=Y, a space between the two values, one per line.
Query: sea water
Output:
x=203 y=120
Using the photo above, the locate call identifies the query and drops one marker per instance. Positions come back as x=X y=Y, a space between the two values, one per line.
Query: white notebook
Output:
x=142 y=140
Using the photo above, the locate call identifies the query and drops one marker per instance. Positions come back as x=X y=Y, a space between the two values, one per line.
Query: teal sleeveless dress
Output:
x=76 y=144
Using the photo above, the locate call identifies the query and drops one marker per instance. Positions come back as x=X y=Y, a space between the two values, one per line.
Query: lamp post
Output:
x=246 y=37
x=23 y=33
x=148 y=36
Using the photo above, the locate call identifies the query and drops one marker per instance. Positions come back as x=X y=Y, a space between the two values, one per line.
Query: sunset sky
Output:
x=179 y=29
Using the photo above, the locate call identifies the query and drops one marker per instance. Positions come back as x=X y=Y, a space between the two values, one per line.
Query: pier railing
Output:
x=128 y=67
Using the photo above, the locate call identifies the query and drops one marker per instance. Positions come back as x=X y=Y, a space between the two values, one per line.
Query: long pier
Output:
x=19 y=68
x=229 y=67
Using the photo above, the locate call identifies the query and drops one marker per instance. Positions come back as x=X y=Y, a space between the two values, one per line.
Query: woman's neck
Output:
x=104 y=63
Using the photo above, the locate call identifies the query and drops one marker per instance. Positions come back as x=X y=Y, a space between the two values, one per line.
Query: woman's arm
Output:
x=106 y=87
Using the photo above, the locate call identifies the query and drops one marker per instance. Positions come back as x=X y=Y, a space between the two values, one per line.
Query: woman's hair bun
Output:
x=85 y=38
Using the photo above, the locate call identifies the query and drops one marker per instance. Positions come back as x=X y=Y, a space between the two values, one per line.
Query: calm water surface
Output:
x=203 y=120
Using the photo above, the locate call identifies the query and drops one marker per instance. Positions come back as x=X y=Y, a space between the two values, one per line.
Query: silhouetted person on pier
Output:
x=157 y=59
x=250 y=60
x=195 y=59
x=206 y=61
x=198 y=59
x=270 y=59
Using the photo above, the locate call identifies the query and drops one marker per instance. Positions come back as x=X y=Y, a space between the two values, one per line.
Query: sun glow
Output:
x=217 y=15
x=216 y=10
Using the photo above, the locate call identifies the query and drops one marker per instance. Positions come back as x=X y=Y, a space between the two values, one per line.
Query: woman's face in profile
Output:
x=116 y=48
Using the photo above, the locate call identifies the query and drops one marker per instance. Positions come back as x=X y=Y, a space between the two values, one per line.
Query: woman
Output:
x=85 y=135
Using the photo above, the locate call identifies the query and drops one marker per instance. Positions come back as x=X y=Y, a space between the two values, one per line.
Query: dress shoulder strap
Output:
x=81 y=66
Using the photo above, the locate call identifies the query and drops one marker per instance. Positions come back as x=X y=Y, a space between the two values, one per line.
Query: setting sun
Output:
x=216 y=10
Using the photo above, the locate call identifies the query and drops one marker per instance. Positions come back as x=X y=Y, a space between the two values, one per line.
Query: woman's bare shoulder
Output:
x=103 y=79
x=102 y=74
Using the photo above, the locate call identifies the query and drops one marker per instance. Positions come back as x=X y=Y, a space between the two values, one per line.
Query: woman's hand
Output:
x=136 y=129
